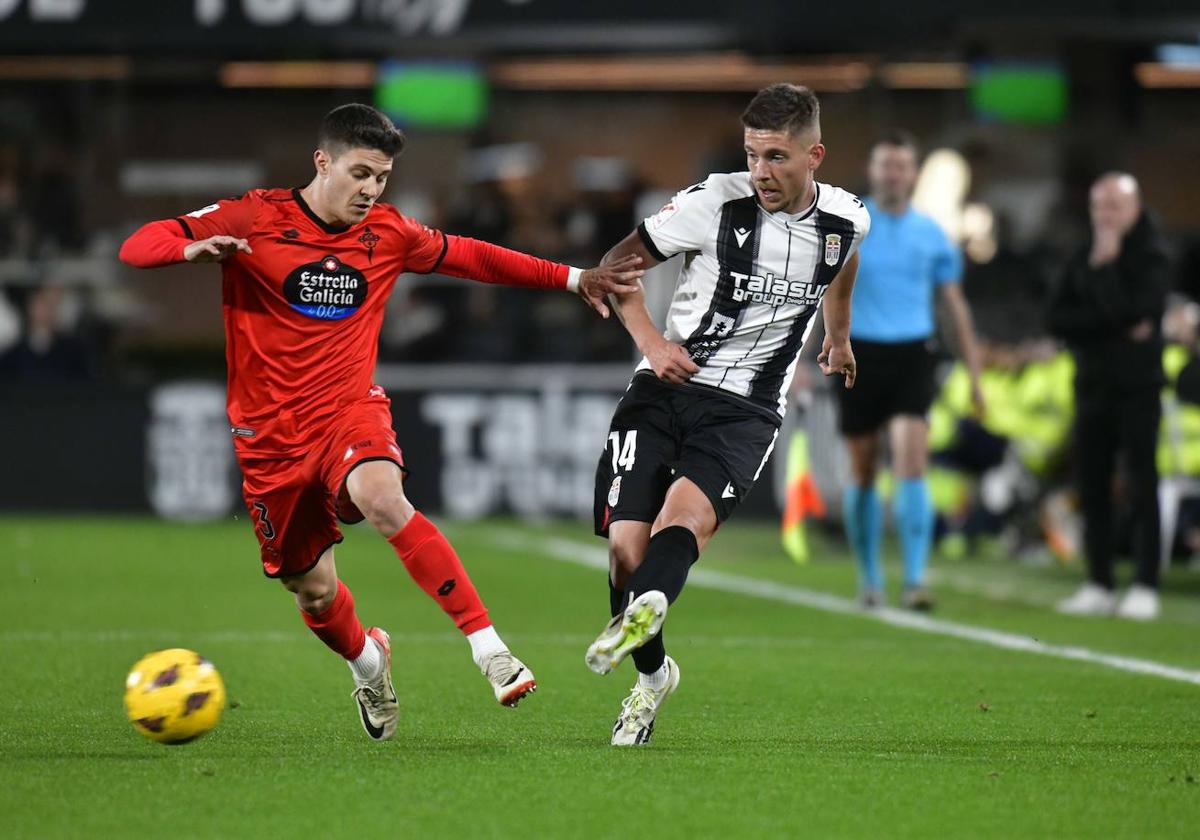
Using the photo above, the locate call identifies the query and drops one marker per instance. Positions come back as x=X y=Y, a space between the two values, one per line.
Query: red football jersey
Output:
x=303 y=311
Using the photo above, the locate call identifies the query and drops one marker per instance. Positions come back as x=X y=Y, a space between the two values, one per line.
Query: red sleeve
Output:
x=228 y=217
x=489 y=263
x=162 y=242
x=154 y=244
x=424 y=246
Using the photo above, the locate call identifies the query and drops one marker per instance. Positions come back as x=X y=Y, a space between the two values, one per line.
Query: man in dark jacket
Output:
x=1107 y=306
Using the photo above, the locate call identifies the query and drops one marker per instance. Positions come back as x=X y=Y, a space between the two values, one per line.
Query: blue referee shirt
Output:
x=901 y=261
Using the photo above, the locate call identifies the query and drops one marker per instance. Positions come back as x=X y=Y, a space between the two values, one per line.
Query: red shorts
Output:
x=295 y=503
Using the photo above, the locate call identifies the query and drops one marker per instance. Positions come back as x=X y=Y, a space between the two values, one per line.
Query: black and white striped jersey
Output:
x=751 y=280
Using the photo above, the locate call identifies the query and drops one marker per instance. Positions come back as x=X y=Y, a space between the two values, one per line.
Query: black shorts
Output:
x=662 y=432
x=893 y=380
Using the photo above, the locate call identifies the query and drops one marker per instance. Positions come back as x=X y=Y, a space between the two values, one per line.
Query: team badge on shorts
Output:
x=614 y=492
x=833 y=248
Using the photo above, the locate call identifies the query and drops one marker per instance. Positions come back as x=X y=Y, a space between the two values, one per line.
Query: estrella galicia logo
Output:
x=328 y=289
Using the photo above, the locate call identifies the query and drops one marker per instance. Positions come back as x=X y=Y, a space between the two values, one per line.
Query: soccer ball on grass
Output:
x=174 y=696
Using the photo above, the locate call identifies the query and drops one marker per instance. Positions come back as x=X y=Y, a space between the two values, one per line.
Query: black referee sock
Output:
x=616 y=598
x=670 y=555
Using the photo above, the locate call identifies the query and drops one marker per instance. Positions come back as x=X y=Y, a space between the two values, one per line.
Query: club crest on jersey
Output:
x=833 y=248
x=369 y=239
x=328 y=289
x=614 y=492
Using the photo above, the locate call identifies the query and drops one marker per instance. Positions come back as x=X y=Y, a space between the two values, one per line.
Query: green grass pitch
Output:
x=788 y=721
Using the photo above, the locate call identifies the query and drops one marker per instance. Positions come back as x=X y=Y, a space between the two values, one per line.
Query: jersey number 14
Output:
x=623 y=455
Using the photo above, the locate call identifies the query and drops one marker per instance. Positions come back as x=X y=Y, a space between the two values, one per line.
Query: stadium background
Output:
x=552 y=127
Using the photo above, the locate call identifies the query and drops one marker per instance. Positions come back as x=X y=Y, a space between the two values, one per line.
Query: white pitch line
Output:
x=597 y=558
x=255 y=637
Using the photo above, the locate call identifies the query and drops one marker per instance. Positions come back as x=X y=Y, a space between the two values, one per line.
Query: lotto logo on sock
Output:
x=446 y=588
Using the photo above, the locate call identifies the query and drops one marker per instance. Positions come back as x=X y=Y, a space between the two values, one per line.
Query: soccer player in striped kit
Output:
x=763 y=249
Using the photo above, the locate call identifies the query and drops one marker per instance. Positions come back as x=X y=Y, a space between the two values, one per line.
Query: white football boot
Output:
x=1089 y=599
x=635 y=724
x=377 y=706
x=511 y=678
x=1140 y=603
x=628 y=631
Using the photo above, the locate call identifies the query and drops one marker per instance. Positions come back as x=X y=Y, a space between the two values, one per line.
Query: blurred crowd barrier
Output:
x=478 y=440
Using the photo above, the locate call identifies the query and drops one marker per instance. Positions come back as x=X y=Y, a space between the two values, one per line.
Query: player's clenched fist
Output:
x=671 y=363
x=215 y=249
x=619 y=277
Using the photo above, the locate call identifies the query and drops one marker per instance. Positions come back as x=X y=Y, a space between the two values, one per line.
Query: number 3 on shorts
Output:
x=623 y=455
x=264 y=522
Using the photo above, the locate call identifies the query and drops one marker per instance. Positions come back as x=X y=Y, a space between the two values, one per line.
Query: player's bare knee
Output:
x=699 y=525
x=387 y=509
x=315 y=603
x=623 y=560
x=313 y=597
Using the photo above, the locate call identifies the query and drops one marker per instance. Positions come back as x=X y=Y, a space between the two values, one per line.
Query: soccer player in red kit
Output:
x=306 y=276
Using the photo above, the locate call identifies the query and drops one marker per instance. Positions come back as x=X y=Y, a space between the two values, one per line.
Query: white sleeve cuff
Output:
x=573 y=275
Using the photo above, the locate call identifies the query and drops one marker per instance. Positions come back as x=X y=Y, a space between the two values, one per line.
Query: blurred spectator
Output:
x=604 y=209
x=54 y=204
x=602 y=213
x=1107 y=306
x=14 y=227
x=998 y=473
x=489 y=324
x=1007 y=293
x=10 y=324
x=504 y=202
x=49 y=351
x=1179 y=435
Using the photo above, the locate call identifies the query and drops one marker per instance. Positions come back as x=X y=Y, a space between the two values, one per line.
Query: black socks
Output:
x=616 y=598
x=669 y=557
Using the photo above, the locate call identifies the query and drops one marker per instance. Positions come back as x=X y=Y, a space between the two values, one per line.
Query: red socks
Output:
x=339 y=627
x=434 y=565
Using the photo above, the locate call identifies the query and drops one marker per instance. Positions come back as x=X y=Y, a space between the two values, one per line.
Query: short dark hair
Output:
x=358 y=126
x=898 y=138
x=783 y=107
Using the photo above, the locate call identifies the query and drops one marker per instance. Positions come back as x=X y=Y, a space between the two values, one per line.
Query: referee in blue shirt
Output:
x=904 y=260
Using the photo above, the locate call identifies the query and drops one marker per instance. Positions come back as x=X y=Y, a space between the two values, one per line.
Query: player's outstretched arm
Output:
x=836 y=355
x=163 y=243
x=670 y=362
x=476 y=260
